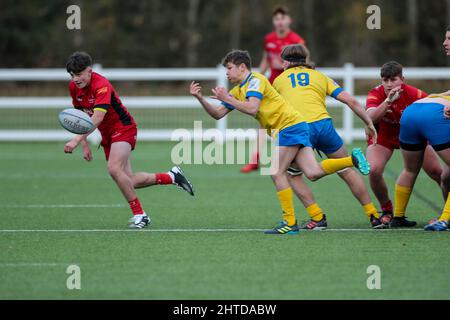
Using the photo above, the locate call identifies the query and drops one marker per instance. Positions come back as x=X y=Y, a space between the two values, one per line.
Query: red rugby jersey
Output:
x=273 y=45
x=389 y=125
x=101 y=94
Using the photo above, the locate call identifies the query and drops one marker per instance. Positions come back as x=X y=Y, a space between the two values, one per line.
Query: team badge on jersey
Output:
x=254 y=84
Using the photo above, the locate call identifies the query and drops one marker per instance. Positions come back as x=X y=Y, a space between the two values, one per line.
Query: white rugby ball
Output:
x=75 y=121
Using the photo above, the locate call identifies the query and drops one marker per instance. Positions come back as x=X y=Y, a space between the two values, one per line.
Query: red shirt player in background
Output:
x=93 y=94
x=274 y=43
x=385 y=105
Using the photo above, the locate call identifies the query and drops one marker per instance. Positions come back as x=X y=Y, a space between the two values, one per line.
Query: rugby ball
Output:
x=75 y=121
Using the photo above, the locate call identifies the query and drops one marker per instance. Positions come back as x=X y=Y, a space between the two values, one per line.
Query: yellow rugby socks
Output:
x=287 y=204
x=445 y=216
x=371 y=210
x=402 y=195
x=333 y=165
x=315 y=212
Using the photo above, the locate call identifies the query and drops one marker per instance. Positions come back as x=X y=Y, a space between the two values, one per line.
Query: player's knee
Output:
x=376 y=172
x=435 y=173
x=114 y=169
x=313 y=175
x=445 y=178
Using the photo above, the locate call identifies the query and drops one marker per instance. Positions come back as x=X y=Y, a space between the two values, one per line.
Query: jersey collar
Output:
x=246 y=80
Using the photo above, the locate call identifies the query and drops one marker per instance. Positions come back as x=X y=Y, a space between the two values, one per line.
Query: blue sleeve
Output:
x=336 y=92
x=228 y=106
x=255 y=94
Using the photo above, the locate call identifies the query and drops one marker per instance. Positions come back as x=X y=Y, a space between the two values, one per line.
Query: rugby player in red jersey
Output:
x=385 y=105
x=274 y=43
x=94 y=94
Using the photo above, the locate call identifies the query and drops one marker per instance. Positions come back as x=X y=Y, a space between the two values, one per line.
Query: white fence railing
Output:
x=348 y=74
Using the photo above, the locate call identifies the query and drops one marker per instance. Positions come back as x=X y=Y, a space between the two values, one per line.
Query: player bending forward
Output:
x=93 y=94
x=425 y=121
x=255 y=96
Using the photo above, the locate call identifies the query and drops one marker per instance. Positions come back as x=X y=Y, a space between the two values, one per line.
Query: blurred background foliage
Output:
x=197 y=33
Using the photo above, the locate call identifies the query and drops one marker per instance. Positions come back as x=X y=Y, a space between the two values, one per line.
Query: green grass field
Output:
x=39 y=237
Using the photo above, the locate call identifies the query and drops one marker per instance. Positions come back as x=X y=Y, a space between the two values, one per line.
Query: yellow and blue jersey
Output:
x=274 y=112
x=306 y=90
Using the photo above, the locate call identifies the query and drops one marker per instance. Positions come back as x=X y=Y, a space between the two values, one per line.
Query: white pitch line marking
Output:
x=42 y=206
x=31 y=264
x=188 y=230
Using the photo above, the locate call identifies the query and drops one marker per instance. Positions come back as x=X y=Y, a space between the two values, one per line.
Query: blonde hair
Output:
x=298 y=56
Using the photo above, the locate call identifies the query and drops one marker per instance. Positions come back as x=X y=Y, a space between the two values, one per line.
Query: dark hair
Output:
x=391 y=70
x=297 y=55
x=238 y=57
x=448 y=28
x=280 y=10
x=78 y=61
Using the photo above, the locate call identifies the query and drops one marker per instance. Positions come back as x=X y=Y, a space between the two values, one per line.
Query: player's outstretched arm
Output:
x=217 y=112
x=96 y=118
x=249 y=107
x=353 y=104
x=87 y=153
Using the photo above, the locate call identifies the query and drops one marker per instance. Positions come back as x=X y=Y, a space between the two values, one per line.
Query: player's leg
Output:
x=359 y=190
x=119 y=170
x=378 y=156
x=304 y=193
x=174 y=176
x=413 y=161
x=281 y=159
x=284 y=155
x=329 y=142
x=441 y=223
x=313 y=170
x=445 y=181
x=432 y=167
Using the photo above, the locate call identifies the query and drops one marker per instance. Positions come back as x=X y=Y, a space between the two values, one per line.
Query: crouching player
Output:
x=255 y=96
x=385 y=105
x=93 y=94
x=306 y=89
x=424 y=121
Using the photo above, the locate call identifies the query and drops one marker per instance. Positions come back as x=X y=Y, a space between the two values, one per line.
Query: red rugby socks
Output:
x=135 y=207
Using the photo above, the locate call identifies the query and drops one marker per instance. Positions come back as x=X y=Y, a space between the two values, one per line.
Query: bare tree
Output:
x=235 y=33
x=413 y=31
x=193 y=37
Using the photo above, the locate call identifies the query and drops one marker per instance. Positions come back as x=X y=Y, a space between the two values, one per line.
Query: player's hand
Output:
x=371 y=132
x=87 y=153
x=220 y=93
x=71 y=145
x=196 y=90
x=394 y=95
x=447 y=112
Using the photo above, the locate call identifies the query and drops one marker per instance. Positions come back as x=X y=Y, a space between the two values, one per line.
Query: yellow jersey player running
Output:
x=306 y=89
x=255 y=96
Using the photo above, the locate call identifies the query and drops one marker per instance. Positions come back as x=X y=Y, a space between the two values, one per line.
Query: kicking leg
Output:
x=359 y=190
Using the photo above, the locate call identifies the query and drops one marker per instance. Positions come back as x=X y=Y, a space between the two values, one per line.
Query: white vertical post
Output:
x=349 y=86
x=97 y=67
x=223 y=82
